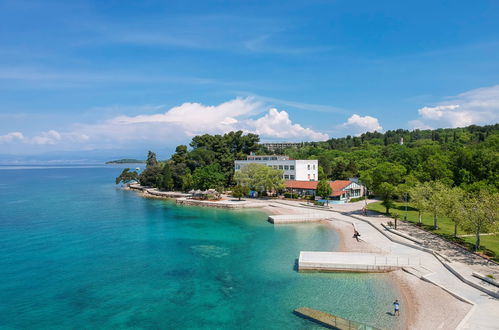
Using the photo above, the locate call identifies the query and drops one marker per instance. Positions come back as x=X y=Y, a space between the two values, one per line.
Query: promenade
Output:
x=433 y=268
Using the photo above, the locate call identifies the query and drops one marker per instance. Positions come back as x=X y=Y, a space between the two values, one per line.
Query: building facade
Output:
x=304 y=170
x=342 y=190
x=273 y=146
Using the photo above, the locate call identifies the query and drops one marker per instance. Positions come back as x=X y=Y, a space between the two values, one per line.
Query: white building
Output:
x=273 y=146
x=303 y=170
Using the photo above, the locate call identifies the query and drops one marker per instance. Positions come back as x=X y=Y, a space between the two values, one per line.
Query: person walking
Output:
x=356 y=234
x=396 y=307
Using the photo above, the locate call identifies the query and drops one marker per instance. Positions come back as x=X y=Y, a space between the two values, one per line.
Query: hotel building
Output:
x=303 y=170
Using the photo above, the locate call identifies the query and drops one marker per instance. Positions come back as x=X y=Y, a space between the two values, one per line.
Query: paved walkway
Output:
x=485 y=313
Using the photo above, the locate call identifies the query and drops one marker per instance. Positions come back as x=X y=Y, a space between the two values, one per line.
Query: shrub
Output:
x=288 y=194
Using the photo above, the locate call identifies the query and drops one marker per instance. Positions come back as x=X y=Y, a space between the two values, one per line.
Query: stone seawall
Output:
x=220 y=204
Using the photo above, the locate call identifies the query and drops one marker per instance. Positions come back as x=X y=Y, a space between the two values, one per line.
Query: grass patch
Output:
x=489 y=244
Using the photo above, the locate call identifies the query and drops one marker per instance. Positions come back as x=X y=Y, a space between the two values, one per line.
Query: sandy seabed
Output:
x=423 y=305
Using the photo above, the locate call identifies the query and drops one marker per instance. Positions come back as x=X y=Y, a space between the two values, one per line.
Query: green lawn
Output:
x=489 y=244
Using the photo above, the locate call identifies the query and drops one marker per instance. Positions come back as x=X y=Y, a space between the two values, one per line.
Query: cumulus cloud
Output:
x=48 y=137
x=477 y=106
x=358 y=124
x=196 y=118
x=174 y=126
x=276 y=124
x=11 y=137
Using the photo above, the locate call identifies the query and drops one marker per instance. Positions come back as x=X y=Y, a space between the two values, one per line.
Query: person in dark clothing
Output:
x=356 y=234
x=396 y=307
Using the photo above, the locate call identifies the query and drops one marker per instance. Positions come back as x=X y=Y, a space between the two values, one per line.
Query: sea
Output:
x=78 y=252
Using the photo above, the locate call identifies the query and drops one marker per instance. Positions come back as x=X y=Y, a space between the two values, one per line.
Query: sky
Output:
x=101 y=79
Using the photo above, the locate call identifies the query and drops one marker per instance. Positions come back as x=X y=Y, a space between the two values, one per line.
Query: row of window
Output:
x=283 y=167
x=308 y=167
x=313 y=179
x=262 y=158
x=289 y=177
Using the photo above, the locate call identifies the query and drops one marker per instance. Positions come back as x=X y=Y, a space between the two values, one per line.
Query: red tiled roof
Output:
x=301 y=184
x=337 y=186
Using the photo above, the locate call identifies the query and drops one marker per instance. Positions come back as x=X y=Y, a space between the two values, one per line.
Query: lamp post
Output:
x=405 y=216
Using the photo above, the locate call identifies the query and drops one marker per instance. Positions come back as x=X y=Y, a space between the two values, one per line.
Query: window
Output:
x=286 y=176
x=286 y=167
x=265 y=158
x=314 y=176
x=238 y=167
x=292 y=177
x=314 y=167
x=292 y=167
x=275 y=166
x=309 y=176
x=308 y=167
x=273 y=158
x=280 y=167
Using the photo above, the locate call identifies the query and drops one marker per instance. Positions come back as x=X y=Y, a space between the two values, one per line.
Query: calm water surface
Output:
x=77 y=253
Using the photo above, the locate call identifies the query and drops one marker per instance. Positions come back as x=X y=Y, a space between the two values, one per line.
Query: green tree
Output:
x=481 y=214
x=208 y=177
x=324 y=189
x=240 y=191
x=151 y=159
x=260 y=178
x=383 y=180
x=451 y=203
x=151 y=176
x=127 y=176
x=187 y=181
x=420 y=196
x=166 y=181
x=180 y=155
x=436 y=200
x=386 y=191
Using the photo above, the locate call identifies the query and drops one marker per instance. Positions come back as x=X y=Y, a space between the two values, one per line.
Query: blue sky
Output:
x=122 y=77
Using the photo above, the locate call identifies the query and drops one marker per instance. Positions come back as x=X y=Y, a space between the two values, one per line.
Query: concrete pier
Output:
x=329 y=320
x=352 y=262
x=295 y=218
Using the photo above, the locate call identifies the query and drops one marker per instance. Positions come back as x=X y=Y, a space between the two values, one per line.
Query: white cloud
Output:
x=195 y=118
x=477 y=106
x=11 y=137
x=173 y=126
x=276 y=124
x=358 y=124
x=49 y=137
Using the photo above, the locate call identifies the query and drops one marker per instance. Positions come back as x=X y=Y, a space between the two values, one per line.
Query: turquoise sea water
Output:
x=77 y=253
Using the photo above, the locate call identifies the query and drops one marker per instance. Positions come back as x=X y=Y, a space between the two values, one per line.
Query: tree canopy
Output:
x=260 y=178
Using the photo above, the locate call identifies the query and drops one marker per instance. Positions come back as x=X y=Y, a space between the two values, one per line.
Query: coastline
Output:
x=423 y=304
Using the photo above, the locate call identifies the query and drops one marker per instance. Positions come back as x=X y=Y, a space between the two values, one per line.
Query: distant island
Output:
x=126 y=161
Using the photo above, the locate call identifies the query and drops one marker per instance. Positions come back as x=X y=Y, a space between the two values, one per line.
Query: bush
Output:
x=291 y=195
x=356 y=199
x=318 y=203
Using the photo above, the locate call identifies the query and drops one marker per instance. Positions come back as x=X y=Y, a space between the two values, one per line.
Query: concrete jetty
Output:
x=329 y=320
x=295 y=218
x=352 y=262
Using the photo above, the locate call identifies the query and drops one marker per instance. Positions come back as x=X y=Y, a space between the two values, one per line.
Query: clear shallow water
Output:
x=77 y=253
